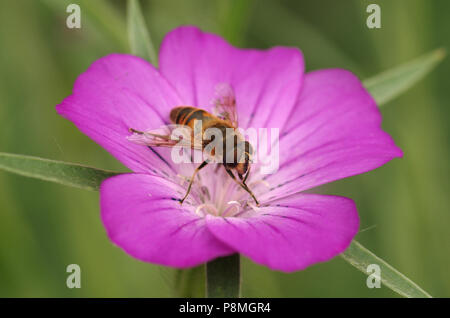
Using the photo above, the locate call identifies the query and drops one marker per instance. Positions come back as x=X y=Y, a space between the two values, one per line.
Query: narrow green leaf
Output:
x=360 y=257
x=57 y=171
x=223 y=277
x=138 y=35
x=391 y=83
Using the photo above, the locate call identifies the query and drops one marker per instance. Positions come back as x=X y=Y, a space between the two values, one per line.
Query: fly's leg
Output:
x=204 y=163
x=246 y=175
x=243 y=185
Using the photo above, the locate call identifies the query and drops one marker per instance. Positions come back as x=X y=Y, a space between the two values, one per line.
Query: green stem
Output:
x=223 y=277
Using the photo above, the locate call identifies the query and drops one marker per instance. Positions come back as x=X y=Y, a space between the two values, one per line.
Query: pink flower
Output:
x=329 y=129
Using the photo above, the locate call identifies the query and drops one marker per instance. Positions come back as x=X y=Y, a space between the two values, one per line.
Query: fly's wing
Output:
x=166 y=136
x=224 y=104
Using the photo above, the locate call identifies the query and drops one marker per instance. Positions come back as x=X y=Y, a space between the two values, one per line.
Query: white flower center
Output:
x=214 y=192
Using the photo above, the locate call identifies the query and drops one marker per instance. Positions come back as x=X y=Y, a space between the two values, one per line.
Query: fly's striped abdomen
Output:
x=186 y=115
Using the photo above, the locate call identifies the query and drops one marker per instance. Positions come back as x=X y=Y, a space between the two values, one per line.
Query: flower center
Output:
x=215 y=192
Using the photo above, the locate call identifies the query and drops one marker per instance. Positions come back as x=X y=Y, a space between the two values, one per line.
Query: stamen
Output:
x=206 y=205
x=233 y=204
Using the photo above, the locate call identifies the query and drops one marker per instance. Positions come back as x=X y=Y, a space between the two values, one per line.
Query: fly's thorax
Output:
x=235 y=152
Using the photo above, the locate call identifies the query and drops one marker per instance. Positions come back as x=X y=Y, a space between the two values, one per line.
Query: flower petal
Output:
x=142 y=216
x=116 y=93
x=334 y=132
x=266 y=83
x=293 y=234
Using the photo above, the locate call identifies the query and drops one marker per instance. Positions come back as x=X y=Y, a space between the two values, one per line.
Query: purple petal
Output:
x=334 y=132
x=116 y=93
x=142 y=217
x=294 y=234
x=266 y=83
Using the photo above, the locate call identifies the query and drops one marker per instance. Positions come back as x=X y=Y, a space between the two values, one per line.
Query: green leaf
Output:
x=57 y=171
x=391 y=83
x=360 y=257
x=223 y=277
x=138 y=35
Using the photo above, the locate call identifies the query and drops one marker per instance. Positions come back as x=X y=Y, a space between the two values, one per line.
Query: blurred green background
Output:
x=45 y=226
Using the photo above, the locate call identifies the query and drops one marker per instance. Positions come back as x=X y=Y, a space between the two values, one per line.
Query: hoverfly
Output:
x=237 y=158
